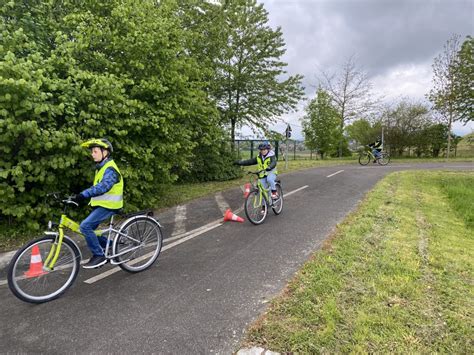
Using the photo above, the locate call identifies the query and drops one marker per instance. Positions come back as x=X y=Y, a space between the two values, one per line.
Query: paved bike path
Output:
x=200 y=296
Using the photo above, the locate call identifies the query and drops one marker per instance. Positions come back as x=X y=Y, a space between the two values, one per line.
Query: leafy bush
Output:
x=70 y=71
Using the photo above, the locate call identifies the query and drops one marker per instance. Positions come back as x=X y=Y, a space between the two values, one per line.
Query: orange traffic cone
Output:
x=246 y=189
x=36 y=264
x=229 y=216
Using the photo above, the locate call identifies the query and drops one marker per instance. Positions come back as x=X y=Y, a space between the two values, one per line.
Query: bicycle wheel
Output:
x=143 y=237
x=364 y=159
x=277 y=206
x=255 y=210
x=384 y=158
x=30 y=282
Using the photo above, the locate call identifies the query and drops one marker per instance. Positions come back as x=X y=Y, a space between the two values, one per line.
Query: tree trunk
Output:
x=232 y=134
x=449 y=133
x=342 y=131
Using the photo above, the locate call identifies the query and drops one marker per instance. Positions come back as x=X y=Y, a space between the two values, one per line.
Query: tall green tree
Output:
x=443 y=95
x=74 y=70
x=321 y=124
x=464 y=79
x=251 y=86
x=363 y=131
x=401 y=122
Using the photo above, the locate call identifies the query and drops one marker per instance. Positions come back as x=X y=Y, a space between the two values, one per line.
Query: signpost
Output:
x=287 y=135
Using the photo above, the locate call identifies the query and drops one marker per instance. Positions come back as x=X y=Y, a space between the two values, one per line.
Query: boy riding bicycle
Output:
x=267 y=162
x=376 y=148
x=106 y=196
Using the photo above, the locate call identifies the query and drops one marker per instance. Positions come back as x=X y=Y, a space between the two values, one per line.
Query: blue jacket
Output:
x=111 y=177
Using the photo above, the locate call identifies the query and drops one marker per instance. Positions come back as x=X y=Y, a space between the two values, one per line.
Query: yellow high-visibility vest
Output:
x=263 y=165
x=112 y=199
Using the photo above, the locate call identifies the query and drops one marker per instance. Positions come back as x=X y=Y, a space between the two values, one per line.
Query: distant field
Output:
x=396 y=277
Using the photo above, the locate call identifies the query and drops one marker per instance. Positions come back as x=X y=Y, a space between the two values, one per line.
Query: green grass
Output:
x=396 y=276
x=460 y=191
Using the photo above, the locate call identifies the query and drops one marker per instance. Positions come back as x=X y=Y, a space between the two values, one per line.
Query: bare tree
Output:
x=443 y=95
x=350 y=90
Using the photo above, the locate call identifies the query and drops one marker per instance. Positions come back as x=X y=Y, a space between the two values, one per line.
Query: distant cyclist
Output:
x=106 y=198
x=267 y=162
x=376 y=148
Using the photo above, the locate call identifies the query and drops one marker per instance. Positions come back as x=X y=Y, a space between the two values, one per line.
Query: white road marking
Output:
x=221 y=202
x=199 y=231
x=292 y=192
x=337 y=172
x=179 y=220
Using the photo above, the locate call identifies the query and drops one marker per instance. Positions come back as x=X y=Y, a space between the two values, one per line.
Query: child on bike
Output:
x=267 y=162
x=106 y=196
x=376 y=148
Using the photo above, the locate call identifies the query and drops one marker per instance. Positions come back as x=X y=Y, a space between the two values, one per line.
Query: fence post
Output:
x=294 y=150
x=276 y=149
x=251 y=149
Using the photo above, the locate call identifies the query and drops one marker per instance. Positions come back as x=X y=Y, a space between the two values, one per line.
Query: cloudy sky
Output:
x=393 y=41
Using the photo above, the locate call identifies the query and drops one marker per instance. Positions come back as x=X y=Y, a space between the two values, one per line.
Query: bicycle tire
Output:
x=32 y=288
x=277 y=206
x=364 y=159
x=384 y=158
x=255 y=211
x=146 y=230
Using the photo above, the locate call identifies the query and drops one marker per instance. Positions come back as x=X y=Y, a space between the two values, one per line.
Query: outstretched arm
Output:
x=247 y=162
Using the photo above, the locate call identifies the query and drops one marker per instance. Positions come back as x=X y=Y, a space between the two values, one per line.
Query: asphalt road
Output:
x=201 y=294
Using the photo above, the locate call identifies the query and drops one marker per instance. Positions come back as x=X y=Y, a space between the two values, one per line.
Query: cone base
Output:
x=29 y=274
x=229 y=216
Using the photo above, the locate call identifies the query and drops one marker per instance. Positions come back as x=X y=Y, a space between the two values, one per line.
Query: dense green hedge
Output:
x=70 y=71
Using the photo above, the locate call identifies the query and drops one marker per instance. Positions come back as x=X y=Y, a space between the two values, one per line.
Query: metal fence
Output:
x=293 y=149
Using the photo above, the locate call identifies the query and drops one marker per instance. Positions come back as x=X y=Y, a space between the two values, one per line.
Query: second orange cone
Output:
x=229 y=216
x=246 y=189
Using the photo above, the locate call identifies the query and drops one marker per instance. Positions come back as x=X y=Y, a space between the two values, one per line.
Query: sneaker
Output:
x=262 y=211
x=95 y=262
x=274 y=195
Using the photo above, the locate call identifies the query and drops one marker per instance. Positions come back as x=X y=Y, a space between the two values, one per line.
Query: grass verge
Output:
x=397 y=276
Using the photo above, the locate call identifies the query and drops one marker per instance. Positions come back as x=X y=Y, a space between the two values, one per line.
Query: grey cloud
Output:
x=381 y=33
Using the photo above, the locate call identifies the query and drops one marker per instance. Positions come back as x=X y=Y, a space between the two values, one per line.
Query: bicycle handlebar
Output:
x=255 y=172
x=65 y=199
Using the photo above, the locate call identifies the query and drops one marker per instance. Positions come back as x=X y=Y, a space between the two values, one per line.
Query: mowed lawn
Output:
x=396 y=276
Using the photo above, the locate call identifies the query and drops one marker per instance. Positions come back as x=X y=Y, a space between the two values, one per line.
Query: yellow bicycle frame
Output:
x=262 y=193
x=64 y=222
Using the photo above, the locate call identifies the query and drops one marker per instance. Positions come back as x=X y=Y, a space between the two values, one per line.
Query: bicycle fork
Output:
x=53 y=254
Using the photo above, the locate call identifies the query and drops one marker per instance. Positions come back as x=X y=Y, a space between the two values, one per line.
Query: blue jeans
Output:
x=90 y=224
x=269 y=179
x=376 y=153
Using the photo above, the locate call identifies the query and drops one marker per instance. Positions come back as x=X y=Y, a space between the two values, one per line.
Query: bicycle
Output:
x=367 y=156
x=258 y=200
x=134 y=243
